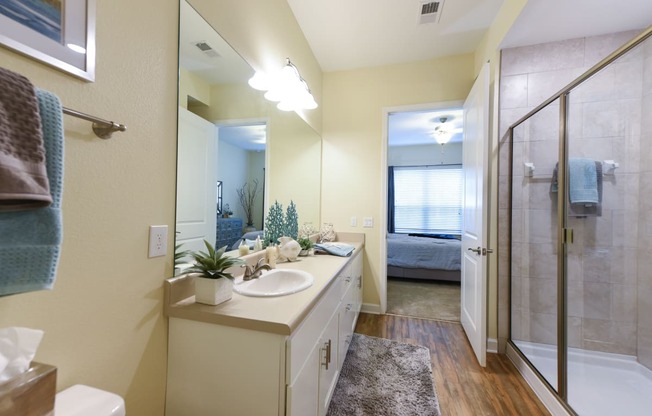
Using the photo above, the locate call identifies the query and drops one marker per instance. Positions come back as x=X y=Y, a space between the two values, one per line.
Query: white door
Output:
x=474 y=224
x=196 y=181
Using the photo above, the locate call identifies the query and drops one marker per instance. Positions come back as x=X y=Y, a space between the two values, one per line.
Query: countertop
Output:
x=279 y=315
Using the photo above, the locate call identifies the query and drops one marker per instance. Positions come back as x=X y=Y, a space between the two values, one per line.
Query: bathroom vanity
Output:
x=263 y=356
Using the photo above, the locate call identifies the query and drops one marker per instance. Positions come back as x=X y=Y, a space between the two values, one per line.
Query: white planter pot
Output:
x=212 y=291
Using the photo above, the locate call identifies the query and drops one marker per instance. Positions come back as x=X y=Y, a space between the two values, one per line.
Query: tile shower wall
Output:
x=644 y=291
x=605 y=116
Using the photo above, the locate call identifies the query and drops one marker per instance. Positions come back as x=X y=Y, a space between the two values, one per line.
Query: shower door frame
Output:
x=564 y=234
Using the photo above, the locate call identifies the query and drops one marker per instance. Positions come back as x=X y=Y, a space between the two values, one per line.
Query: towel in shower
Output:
x=23 y=178
x=336 y=249
x=598 y=174
x=583 y=181
x=30 y=240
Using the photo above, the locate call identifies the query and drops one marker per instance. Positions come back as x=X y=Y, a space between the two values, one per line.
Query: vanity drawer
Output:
x=301 y=343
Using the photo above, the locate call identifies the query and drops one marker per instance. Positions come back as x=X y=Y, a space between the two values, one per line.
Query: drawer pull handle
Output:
x=348 y=307
x=327 y=349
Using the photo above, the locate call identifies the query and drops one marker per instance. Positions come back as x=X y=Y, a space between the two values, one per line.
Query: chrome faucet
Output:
x=254 y=272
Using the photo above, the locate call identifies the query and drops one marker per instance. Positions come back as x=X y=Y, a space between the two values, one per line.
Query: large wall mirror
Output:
x=231 y=139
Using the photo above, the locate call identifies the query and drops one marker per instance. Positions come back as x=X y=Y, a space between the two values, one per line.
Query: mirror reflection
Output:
x=237 y=153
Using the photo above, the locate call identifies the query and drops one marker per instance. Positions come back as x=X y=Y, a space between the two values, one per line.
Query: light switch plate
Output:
x=368 y=222
x=354 y=221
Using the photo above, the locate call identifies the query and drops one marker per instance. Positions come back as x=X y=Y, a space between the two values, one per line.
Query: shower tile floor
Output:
x=598 y=383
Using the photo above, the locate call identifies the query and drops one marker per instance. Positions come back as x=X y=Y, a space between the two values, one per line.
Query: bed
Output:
x=419 y=257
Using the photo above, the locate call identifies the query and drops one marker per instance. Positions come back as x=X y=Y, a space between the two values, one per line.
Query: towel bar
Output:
x=102 y=128
x=608 y=168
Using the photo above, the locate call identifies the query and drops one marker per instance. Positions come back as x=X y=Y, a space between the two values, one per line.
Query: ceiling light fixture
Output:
x=285 y=87
x=442 y=133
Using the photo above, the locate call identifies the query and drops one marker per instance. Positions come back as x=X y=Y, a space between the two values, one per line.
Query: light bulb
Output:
x=260 y=81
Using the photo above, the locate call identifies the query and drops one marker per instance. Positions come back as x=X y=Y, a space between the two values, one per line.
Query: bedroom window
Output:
x=428 y=199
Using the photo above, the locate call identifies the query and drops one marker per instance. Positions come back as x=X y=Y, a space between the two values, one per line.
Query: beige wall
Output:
x=265 y=32
x=293 y=148
x=353 y=141
x=192 y=86
x=103 y=321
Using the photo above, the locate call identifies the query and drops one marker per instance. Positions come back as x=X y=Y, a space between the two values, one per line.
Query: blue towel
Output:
x=30 y=240
x=336 y=249
x=583 y=180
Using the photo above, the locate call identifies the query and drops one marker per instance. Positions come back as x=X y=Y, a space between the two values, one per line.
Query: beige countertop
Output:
x=280 y=315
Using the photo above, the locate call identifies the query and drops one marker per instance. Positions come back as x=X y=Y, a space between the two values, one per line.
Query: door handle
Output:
x=486 y=251
x=477 y=251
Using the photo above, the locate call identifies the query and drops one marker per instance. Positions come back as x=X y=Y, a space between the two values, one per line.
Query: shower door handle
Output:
x=477 y=251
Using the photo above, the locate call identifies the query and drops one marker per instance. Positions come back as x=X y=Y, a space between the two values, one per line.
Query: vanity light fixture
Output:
x=442 y=133
x=285 y=87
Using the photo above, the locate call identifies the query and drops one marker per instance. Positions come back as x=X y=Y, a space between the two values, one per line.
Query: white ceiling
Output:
x=417 y=127
x=228 y=68
x=245 y=136
x=544 y=21
x=347 y=34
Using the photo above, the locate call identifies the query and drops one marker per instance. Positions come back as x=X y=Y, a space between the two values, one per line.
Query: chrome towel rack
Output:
x=608 y=168
x=102 y=128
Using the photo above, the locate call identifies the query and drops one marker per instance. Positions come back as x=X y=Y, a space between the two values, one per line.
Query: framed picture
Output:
x=60 y=33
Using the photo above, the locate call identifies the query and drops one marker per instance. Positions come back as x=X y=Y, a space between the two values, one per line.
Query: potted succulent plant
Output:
x=179 y=256
x=306 y=245
x=213 y=285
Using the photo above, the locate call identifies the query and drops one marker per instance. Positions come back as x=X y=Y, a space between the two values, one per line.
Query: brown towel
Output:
x=23 y=177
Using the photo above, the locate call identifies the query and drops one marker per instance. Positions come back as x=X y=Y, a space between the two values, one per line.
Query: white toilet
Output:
x=80 y=400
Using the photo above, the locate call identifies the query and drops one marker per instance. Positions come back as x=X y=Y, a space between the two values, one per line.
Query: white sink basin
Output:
x=277 y=282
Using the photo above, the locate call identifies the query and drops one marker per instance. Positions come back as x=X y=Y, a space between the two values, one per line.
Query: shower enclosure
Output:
x=581 y=238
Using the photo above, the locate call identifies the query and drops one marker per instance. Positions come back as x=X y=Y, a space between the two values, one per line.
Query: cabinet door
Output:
x=328 y=369
x=303 y=394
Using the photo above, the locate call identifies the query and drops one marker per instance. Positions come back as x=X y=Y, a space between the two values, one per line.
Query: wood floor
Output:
x=463 y=387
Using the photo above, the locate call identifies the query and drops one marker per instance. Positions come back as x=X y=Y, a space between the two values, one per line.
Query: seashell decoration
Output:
x=288 y=250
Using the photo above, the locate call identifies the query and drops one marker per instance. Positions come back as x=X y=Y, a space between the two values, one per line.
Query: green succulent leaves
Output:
x=213 y=263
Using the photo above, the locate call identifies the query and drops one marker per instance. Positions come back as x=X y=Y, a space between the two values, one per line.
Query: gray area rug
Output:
x=383 y=377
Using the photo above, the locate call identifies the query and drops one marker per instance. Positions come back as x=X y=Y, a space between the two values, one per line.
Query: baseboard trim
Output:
x=492 y=345
x=370 y=308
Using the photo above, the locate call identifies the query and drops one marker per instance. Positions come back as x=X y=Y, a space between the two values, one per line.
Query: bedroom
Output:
x=423 y=228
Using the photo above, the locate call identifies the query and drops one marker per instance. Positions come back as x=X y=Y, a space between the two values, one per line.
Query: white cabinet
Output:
x=216 y=369
x=350 y=305
x=329 y=370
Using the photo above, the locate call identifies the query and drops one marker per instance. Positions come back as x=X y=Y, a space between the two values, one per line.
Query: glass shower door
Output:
x=604 y=211
x=534 y=290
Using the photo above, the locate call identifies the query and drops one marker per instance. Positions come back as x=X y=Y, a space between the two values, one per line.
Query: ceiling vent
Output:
x=207 y=49
x=430 y=11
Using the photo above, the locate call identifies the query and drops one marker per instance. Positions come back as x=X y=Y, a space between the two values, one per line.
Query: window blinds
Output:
x=428 y=199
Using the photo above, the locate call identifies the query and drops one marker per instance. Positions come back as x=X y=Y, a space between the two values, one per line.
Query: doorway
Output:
x=423 y=249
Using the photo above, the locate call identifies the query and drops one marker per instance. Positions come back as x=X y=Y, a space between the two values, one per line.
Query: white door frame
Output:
x=383 y=184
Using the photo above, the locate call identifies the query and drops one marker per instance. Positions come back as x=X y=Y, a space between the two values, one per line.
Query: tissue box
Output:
x=31 y=393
